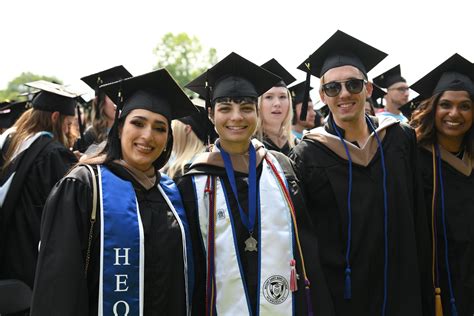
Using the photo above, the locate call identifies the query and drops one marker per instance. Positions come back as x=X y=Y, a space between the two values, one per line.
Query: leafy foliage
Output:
x=183 y=56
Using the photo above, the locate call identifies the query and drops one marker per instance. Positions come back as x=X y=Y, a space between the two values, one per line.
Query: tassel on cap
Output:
x=293 y=277
x=79 y=121
x=348 y=284
x=304 y=106
x=438 y=305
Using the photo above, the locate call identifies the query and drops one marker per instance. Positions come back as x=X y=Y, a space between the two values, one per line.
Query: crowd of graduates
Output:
x=249 y=199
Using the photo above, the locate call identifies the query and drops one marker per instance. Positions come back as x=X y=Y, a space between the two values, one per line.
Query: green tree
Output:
x=183 y=56
x=17 y=87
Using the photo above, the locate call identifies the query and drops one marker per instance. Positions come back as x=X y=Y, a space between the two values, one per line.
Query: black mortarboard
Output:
x=201 y=125
x=389 y=77
x=155 y=91
x=234 y=76
x=276 y=68
x=455 y=74
x=377 y=93
x=297 y=92
x=10 y=112
x=106 y=76
x=408 y=108
x=339 y=50
x=53 y=97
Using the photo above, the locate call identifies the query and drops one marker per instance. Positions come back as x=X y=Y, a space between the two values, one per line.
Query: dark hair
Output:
x=113 y=148
x=423 y=121
x=372 y=105
x=238 y=100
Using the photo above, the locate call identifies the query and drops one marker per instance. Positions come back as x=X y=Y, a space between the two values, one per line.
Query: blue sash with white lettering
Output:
x=122 y=245
x=122 y=248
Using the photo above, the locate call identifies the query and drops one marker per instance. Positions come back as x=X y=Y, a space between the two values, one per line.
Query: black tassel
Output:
x=304 y=106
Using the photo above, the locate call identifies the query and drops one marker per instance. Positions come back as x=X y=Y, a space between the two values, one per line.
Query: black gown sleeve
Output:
x=186 y=188
x=423 y=240
x=321 y=300
x=60 y=283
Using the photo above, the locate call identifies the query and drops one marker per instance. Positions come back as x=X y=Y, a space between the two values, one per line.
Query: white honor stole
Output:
x=275 y=247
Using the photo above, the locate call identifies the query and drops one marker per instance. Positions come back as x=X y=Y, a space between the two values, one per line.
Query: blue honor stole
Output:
x=122 y=264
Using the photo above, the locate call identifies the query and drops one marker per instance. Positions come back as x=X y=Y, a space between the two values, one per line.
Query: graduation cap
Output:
x=201 y=125
x=339 y=50
x=53 y=97
x=297 y=92
x=155 y=91
x=276 y=68
x=106 y=76
x=10 y=112
x=408 y=108
x=377 y=93
x=234 y=76
x=454 y=74
x=389 y=77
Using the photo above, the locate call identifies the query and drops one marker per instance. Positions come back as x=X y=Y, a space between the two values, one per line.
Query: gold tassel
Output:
x=438 y=305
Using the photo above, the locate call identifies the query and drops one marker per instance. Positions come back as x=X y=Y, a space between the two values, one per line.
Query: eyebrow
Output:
x=146 y=119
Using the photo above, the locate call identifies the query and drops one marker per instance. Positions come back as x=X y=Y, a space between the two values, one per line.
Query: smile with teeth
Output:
x=345 y=105
x=236 y=128
x=144 y=148
x=449 y=123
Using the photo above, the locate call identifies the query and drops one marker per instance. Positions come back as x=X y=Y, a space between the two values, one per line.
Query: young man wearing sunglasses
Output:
x=363 y=191
x=397 y=93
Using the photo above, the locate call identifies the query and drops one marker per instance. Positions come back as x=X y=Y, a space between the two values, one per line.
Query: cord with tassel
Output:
x=293 y=276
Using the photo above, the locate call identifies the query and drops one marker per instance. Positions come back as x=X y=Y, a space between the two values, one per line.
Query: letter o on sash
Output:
x=127 y=308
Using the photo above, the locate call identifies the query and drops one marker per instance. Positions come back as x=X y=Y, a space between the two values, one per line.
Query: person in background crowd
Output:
x=298 y=125
x=103 y=109
x=192 y=134
x=397 y=93
x=34 y=157
x=276 y=114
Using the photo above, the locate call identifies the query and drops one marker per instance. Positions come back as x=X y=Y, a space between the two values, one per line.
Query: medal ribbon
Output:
x=247 y=220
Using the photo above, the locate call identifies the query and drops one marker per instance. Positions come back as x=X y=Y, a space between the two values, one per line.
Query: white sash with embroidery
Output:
x=275 y=248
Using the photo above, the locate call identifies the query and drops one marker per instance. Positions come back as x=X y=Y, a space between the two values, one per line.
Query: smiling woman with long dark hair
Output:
x=114 y=236
x=444 y=129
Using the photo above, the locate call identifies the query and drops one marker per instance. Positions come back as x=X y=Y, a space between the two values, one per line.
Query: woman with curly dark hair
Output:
x=444 y=129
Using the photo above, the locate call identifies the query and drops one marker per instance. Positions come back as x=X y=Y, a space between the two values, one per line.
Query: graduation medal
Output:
x=251 y=244
x=247 y=220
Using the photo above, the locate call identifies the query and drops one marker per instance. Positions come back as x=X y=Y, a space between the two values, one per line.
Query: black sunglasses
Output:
x=354 y=86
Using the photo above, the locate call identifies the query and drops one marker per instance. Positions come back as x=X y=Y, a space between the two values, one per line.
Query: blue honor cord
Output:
x=247 y=220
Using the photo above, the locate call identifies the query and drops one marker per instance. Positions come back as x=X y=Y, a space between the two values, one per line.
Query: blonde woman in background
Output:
x=191 y=134
x=276 y=115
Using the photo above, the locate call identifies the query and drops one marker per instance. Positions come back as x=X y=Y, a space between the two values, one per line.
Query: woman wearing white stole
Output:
x=247 y=219
x=114 y=235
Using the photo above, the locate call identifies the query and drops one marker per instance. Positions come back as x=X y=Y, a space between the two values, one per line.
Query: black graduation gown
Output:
x=324 y=176
x=270 y=145
x=21 y=235
x=61 y=287
x=84 y=142
x=321 y=301
x=459 y=210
